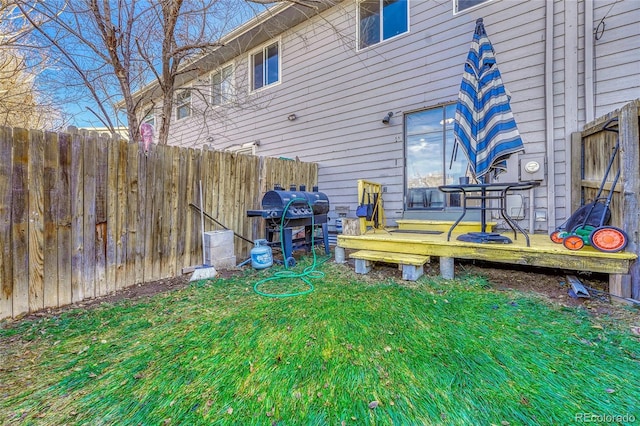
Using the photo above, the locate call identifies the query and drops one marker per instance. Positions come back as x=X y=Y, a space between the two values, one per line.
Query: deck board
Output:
x=388 y=257
x=542 y=252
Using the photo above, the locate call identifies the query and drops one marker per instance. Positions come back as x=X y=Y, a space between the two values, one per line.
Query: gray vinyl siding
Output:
x=560 y=79
x=340 y=94
x=617 y=57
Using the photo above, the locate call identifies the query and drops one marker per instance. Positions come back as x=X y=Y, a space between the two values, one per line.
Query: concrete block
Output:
x=219 y=248
x=218 y=238
x=339 y=254
x=447 y=270
x=363 y=266
x=222 y=262
x=412 y=272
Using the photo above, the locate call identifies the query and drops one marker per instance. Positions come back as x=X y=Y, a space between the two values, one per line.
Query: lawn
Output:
x=353 y=351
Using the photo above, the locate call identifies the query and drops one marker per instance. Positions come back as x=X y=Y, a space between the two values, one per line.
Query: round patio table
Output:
x=484 y=192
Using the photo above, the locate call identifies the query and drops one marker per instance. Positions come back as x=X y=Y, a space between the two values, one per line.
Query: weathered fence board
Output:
x=112 y=222
x=20 y=221
x=35 y=229
x=89 y=218
x=101 y=217
x=82 y=215
x=181 y=211
x=63 y=218
x=77 y=218
x=630 y=137
x=140 y=225
x=6 y=192
x=121 y=212
x=191 y=216
x=149 y=215
x=50 y=181
x=596 y=149
x=172 y=219
x=157 y=199
x=131 y=217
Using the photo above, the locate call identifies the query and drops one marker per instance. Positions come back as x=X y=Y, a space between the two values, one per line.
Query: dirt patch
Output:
x=547 y=283
x=552 y=285
x=135 y=292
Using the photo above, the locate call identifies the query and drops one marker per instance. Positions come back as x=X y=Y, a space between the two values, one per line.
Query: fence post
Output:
x=630 y=164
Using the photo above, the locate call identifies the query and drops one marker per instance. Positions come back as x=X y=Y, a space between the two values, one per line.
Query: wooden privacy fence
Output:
x=83 y=215
x=591 y=151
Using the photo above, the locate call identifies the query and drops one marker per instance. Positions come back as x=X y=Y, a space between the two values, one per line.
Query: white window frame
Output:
x=230 y=92
x=150 y=118
x=263 y=49
x=472 y=7
x=381 y=29
x=245 y=148
x=182 y=104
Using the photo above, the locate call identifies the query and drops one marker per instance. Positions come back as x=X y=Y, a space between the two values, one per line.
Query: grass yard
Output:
x=351 y=352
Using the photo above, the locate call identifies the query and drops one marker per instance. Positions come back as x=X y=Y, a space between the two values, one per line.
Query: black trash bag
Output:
x=595 y=213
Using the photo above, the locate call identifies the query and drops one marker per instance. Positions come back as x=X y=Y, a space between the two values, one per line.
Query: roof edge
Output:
x=270 y=13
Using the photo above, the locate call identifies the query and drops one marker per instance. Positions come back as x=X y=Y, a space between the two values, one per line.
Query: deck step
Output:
x=441 y=225
x=412 y=264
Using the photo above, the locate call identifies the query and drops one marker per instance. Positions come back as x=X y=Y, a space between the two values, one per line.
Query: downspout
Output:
x=571 y=93
x=589 y=51
x=548 y=100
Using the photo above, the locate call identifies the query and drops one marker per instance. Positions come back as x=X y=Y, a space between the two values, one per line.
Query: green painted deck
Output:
x=542 y=252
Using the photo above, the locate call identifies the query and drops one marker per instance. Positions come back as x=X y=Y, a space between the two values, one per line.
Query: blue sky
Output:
x=78 y=109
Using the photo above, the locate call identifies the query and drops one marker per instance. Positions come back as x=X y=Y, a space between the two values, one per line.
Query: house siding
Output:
x=617 y=61
x=340 y=94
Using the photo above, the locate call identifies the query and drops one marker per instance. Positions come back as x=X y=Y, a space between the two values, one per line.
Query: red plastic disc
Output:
x=573 y=242
x=555 y=237
x=608 y=239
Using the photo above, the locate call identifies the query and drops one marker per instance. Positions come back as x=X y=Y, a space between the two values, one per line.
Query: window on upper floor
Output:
x=380 y=20
x=462 y=5
x=222 y=85
x=265 y=66
x=183 y=104
x=150 y=118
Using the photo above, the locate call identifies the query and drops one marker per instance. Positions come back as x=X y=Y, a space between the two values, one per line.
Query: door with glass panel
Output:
x=429 y=163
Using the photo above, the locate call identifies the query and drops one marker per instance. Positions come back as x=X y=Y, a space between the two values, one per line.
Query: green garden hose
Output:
x=306 y=275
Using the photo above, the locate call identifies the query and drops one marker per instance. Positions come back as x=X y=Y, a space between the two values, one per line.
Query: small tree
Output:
x=116 y=47
x=22 y=104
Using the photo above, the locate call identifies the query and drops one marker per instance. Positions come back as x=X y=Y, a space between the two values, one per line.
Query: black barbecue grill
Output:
x=284 y=211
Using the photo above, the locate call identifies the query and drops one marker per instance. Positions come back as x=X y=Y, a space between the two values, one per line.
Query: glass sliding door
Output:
x=429 y=146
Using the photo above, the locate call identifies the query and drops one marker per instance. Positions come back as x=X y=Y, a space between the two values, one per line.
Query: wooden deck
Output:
x=542 y=252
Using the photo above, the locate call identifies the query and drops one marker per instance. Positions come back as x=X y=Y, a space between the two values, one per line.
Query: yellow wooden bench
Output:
x=412 y=264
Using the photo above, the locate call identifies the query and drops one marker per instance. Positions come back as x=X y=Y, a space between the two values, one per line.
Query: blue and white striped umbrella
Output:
x=484 y=126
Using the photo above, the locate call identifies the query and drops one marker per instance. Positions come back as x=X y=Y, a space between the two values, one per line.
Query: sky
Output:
x=78 y=110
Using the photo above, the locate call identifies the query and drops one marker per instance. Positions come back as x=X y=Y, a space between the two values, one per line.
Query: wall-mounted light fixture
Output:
x=292 y=117
x=387 y=118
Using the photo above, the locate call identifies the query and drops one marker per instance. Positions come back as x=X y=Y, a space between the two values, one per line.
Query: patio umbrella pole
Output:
x=484 y=127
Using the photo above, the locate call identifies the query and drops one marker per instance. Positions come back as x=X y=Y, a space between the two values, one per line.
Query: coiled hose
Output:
x=306 y=275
